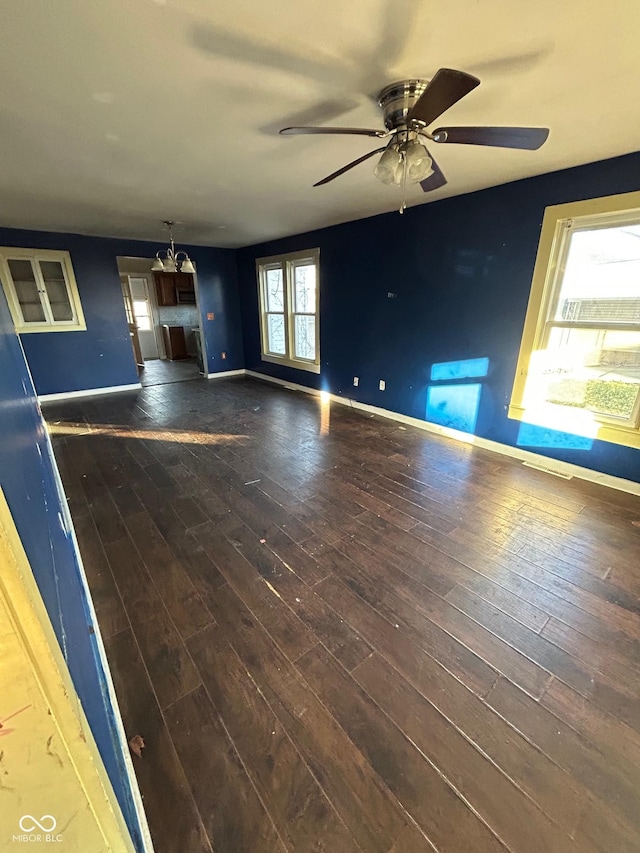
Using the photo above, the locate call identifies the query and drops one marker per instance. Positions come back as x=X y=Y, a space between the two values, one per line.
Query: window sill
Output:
x=556 y=419
x=286 y=362
x=32 y=328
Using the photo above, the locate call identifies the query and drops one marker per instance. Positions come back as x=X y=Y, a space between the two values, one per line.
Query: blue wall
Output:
x=102 y=355
x=27 y=480
x=461 y=269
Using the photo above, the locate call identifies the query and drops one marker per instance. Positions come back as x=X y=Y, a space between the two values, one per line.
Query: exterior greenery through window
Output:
x=289 y=289
x=41 y=290
x=579 y=366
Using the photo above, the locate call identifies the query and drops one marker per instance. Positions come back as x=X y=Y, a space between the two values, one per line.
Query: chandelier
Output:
x=172 y=262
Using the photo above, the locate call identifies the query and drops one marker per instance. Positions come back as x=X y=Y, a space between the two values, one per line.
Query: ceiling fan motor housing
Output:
x=397 y=99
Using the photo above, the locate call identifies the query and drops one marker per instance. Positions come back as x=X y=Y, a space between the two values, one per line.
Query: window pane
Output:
x=24 y=282
x=275 y=334
x=601 y=281
x=593 y=369
x=305 y=289
x=275 y=290
x=305 y=337
x=56 y=288
x=141 y=313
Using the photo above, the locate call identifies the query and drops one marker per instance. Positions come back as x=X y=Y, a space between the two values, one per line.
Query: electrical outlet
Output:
x=356 y=381
x=224 y=355
x=382 y=385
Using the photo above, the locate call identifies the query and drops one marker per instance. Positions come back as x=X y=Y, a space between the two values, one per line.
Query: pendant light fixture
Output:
x=172 y=262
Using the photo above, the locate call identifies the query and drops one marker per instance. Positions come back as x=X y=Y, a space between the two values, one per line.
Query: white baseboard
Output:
x=537 y=460
x=89 y=392
x=224 y=373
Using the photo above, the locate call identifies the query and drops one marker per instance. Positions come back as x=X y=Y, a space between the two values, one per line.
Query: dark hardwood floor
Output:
x=159 y=371
x=336 y=634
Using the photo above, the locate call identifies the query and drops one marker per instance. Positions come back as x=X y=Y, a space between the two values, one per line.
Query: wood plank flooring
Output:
x=337 y=634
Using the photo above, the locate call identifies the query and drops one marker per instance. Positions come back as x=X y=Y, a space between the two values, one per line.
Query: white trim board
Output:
x=533 y=460
x=224 y=373
x=89 y=392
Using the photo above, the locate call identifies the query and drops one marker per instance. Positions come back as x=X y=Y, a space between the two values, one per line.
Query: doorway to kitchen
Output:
x=164 y=322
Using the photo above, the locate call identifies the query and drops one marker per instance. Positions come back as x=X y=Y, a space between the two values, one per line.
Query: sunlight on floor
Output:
x=118 y=431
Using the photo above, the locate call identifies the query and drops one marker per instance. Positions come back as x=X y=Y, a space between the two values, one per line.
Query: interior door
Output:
x=143 y=316
x=133 y=329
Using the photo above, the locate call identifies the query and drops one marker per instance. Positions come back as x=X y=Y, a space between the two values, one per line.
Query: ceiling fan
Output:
x=408 y=108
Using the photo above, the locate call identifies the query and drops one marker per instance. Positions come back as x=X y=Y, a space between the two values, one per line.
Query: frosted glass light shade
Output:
x=388 y=165
x=418 y=162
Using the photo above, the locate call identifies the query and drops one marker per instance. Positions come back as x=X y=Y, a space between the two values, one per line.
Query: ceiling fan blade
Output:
x=325 y=111
x=434 y=181
x=349 y=166
x=530 y=138
x=445 y=89
x=345 y=131
x=305 y=61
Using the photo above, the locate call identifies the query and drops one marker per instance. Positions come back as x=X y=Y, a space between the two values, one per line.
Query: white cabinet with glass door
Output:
x=41 y=290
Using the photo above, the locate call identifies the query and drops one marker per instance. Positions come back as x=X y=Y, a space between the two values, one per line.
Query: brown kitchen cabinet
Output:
x=167 y=285
x=165 y=288
x=175 y=344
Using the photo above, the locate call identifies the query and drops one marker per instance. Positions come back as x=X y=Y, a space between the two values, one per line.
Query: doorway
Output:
x=164 y=322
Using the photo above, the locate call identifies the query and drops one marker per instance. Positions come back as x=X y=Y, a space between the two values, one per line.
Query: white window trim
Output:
x=76 y=324
x=287 y=262
x=547 y=276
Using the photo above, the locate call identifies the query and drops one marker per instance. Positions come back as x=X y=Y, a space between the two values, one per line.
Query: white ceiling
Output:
x=115 y=115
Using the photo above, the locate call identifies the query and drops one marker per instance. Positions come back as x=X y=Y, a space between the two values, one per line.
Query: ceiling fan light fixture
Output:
x=389 y=166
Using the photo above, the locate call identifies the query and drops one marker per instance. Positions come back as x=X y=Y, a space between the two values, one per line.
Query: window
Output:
x=41 y=290
x=579 y=364
x=288 y=287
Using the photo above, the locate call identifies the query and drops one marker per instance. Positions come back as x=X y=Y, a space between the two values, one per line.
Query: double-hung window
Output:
x=289 y=290
x=579 y=364
x=41 y=290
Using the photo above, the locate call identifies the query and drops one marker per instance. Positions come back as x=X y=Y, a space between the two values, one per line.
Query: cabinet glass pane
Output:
x=57 y=292
x=24 y=282
x=275 y=334
x=305 y=289
x=275 y=290
x=305 y=337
